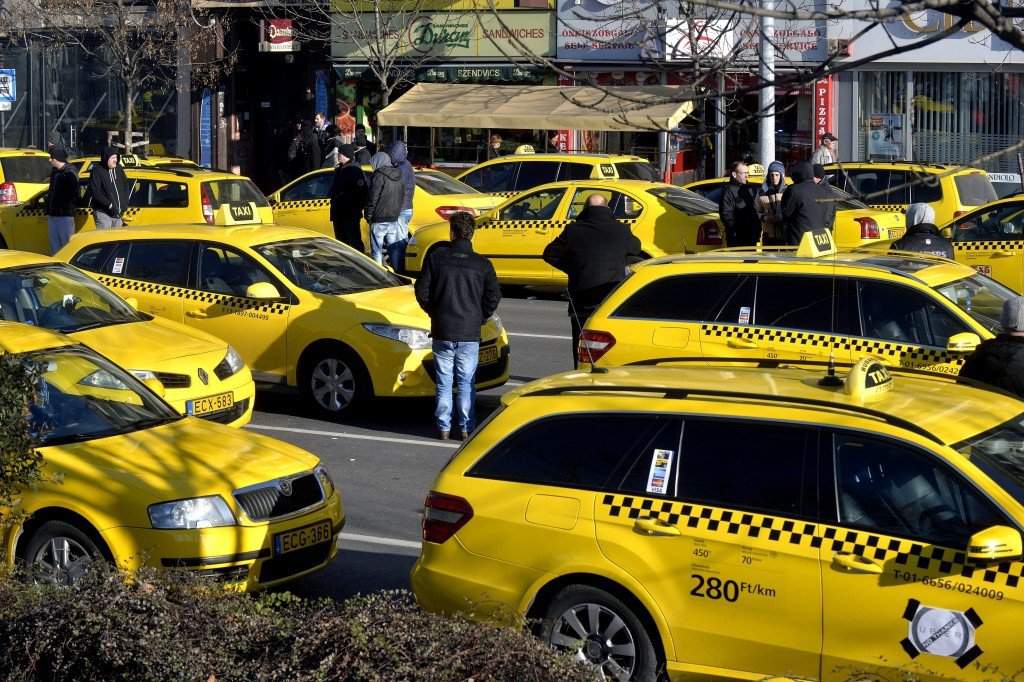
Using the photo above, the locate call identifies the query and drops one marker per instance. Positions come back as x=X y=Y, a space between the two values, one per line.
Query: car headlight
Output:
x=325 y=481
x=417 y=339
x=497 y=322
x=142 y=374
x=197 y=512
x=101 y=378
x=230 y=365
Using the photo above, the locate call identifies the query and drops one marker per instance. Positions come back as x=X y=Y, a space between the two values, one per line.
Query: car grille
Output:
x=295 y=562
x=266 y=501
x=229 y=415
x=174 y=380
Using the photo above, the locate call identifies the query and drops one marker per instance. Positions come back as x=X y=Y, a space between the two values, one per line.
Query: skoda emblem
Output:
x=203 y=376
x=285 y=486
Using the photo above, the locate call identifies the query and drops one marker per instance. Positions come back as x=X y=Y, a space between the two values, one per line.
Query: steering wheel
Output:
x=53 y=314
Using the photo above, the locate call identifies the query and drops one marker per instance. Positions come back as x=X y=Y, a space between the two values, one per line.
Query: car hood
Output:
x=390 y=303
x=153 y=343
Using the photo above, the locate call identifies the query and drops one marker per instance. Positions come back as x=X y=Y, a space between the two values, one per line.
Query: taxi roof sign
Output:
x=237 y=214
x=868 y=380
x=817 y=243
x=755 y=169
x=525 y=149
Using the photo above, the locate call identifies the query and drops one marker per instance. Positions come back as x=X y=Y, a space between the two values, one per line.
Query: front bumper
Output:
x=416 y=372
x=241 y=386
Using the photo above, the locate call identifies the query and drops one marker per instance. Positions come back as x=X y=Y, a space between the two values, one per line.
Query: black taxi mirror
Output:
x=262 y=290
x=817 y=243
x=996 y=543
x=964 y=342
x=155 y=385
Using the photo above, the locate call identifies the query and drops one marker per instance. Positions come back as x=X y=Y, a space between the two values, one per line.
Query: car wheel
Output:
x=334 y=381
x=599 y=629
x=60 y=554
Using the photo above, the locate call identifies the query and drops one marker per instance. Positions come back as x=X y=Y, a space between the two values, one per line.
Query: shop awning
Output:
x=534 y=107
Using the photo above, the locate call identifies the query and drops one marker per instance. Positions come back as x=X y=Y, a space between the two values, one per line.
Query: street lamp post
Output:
x=766 y=95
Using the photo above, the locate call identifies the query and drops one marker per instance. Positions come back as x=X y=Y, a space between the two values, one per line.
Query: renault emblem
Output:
x=203 y=376
x=285 y=486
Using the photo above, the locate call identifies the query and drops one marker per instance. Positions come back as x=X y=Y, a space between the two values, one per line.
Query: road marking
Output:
x=374 y=540
x=356 y=436
x=541 y=336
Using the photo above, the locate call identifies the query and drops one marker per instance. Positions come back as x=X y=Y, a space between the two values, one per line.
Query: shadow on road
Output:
x=357 y=571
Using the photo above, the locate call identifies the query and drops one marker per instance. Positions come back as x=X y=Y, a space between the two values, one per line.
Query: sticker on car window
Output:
x=744 y=315
x=661 y=469
x=118 y=266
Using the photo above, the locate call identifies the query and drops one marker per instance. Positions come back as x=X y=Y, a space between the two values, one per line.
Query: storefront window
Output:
x=883 y=97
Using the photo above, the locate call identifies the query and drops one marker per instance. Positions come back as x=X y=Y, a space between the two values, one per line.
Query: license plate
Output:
x=488 y=355
x=984 y=269
x=897 y=232
x=213 y=403
x=300 y=538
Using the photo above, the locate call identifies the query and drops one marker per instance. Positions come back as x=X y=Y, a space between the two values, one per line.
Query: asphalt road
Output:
x=385 y=457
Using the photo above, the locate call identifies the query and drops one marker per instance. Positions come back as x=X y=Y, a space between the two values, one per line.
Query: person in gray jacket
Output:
x=383 y=205
x=399 y=154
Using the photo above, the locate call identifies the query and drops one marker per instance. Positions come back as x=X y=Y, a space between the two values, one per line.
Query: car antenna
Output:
x=594 y=369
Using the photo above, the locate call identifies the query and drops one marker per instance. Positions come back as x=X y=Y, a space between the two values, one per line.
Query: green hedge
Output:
x=167 y=626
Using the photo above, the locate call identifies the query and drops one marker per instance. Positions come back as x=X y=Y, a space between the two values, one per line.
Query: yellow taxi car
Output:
x=665 y=218
x=158 y=196
x=910 y=310
x=507 y=176
x=856 y=223
x=306 y=201
x=893 y=185
x=199 y=374
x=136 y=161
x=991 y=240
x=303 y=310
x=742 y=523
x=23 y=173
x=130 y=481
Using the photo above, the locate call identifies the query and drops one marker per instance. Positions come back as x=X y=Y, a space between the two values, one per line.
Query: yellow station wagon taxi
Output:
x=130 y=481
x=158 y=196
x=199 y=374
x=666 y=219
x=507 y=176
x=742 y=523
x=303 y=310
x=23 y=174
x=991 y=240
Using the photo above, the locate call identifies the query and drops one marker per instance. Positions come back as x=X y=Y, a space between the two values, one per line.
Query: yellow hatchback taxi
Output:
x=303 y=310
x=23 y=174
x=910 y=310
x=199 y=374
x=158 y=196
x=507 y=176
x=130 y=481
x=742 y=523
x=990 y=239
x=665 y=218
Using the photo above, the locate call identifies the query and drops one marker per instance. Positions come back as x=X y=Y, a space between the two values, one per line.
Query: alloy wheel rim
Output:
x=333 y=384
x=598 y=636
x=61 y=561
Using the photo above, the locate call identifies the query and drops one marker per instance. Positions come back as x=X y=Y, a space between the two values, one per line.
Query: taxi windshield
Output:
x=999 y=452
x=81 y=396
x=326 y=267
x=58 y=297
x=979 y=297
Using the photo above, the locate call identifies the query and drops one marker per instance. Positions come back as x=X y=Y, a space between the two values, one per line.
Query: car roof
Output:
x=243 y=235
x=936 y=407
x=570 y=156
x=170 y=174
x=918 y=166
x=22 y=151
x=24 y=338
x=634 y=185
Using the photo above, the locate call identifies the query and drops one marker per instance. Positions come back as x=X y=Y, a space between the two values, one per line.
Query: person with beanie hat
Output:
x=804 y=204
x=922 y=234
x=999 y=362
x=768 y=203
x=109 y=189
x=348 y=199
x=61 y=200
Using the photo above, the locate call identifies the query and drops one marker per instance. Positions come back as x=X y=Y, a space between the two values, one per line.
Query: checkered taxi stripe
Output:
x=898 y=208
x=989 y=246
x=241 y=303
x=793 y=533
x=860 y=346
x=38 y=212
x=304 y=203
x=527 y=224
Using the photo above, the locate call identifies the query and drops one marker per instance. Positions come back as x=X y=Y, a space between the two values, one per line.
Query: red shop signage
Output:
x=822 y=107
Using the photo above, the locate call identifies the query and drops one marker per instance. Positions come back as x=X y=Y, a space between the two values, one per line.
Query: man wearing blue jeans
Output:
x=459 y=290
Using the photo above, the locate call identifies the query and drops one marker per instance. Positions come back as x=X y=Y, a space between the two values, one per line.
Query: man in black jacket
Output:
x=922 y=235
x=384 y=205
x=804 y=204
x=61 y=199
x=594 y=252
x=737 y=211
x=348 y=199
x=459 y=290
x=1000 y=361
x=108 y=186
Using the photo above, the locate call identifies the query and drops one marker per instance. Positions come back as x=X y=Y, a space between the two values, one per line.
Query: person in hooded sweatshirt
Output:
x=768 y=203
x=108 y=186
x=999 y=362
x=922 y=235
x=399 y=154
x=594 y=251
x=803 y=204
x=383 y=205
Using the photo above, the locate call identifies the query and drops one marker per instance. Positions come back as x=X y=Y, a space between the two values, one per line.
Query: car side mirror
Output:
x=156 y=386
x=262 y=290
x=964 y=342
x=947 y=232
x=996 y=543
x=133 y=302
x=272 y=201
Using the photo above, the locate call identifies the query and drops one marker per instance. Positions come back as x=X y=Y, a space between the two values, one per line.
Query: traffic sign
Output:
x=8 y=88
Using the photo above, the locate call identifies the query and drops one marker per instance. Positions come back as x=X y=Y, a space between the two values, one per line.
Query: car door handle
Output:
x=198 y=314
x=853 y=563
x=650 y=526
x=739 y=342
x=1003 y=254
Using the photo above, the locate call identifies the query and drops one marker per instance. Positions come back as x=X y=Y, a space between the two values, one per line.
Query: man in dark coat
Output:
x=459 y=290
x=109 y=188
x=737 y=209
x=922 y=235
x=364 y=148
x=61 y=199
x=803 y=204
x=999 y=362
x=348 y=199
x=821 y=180
x=594 y=252
x=304 y=151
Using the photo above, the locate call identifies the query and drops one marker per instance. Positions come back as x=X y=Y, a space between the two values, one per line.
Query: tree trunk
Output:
x=129 y=94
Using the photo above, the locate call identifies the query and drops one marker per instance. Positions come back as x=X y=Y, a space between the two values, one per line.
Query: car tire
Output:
x=334 y=381
x=59 y=553
x=632 y=649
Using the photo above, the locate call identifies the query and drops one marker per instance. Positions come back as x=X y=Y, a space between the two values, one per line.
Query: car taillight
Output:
x=868 y=228
x=207 y=205
x=709 y=234
x=443 y=516
x=446 y=212
x=8 y=193
x=594 y=344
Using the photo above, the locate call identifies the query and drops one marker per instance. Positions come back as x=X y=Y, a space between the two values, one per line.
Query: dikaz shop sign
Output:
x=278 y=35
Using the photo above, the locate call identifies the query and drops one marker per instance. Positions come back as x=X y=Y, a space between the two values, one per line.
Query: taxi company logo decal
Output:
x=285 y=486
x=941 y=632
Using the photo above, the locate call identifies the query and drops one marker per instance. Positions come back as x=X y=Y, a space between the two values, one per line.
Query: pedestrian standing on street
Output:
x=459 y=290
x=999 y=362
x=348 y=199
x=383 y=205
x=554 y=142
x=803 y=208
x=769 y=203
x=330 y=149
x=736 y=209
x=364 y=148
x=108 y=187
x=399 y=154
x=594 y=252
x=304 y=151
x=320 y=129
x=494 y=147
x=922 y=234
x=826 y=153
x=821 y=180
x=61 y=199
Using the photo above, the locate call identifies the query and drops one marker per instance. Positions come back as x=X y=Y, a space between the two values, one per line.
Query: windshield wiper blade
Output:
x=97 y=325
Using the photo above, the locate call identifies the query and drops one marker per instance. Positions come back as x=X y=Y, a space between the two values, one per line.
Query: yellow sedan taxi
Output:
x=666 y=219
x=158 y=196
x=742 y=523
x=507 y=176
x=130 y=481
x=303 y=310
x=23 y=174
x=990 y=239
